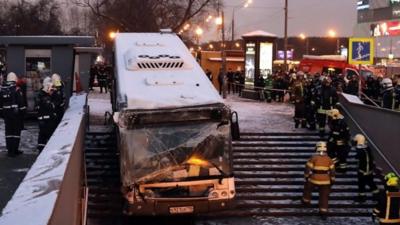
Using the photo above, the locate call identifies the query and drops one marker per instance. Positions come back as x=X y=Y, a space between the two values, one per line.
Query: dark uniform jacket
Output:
x=326 y=98
x=365 y=160
x=388 y=98
x=340 y=132
x=11 y=101
x=45 y=107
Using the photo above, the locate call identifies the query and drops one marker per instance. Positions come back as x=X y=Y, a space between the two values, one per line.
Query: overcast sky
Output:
x=312 y=17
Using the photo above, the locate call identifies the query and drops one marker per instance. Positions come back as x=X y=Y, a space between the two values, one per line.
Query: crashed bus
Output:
x=173 y=129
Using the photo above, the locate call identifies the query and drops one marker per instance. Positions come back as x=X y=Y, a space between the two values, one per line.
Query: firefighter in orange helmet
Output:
x=320 y=173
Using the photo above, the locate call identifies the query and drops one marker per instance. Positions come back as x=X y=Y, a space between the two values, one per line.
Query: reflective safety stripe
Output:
x=322 y=168
x=10 y=107
x=43 y=117
x=335 y=132
x=23 y=107
x=389 y=220
x=12 y=136
x=340 y=142
x=319 y=182
x=310 y=164
x=364 y=172
x=41 y=144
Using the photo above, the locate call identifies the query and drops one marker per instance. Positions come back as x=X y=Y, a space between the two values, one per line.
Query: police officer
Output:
x=338 y=142
x=47 y=116
x=365 y=168
x=387 y=94
x=326 y=98
x=13 y=111
x=320 y=173
x=297 y=88
x=58 y=97
x=387 y=208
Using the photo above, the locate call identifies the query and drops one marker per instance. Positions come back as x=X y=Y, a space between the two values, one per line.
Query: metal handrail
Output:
x=369 y=99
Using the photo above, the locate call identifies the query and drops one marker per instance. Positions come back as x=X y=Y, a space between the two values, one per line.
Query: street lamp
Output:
x=332 y=33
x=304 y=37
x=112 y=35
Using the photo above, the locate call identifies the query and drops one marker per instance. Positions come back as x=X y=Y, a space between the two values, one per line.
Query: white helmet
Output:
x=56 y=79
x=387 y=83
x=47 y=84
x=359 y=139
x=12 y=77
x=321 y=146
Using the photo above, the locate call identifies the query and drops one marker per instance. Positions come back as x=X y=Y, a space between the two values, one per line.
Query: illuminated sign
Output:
x=387 y=28
x=362 y=4
x=265 y=58
x=393 y=2
x=250 y=62
x=280 y=54
x=361 y=51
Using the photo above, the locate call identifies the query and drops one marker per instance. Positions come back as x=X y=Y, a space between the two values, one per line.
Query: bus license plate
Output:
x=181 y=210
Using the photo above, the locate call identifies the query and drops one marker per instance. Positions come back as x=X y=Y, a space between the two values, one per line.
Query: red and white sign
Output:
x=387 y=28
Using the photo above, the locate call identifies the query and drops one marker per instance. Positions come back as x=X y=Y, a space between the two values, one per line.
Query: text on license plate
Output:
x=180 y=210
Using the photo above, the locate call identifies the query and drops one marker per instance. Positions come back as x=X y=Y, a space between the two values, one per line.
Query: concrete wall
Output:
x=62 y=63
x=16 y=60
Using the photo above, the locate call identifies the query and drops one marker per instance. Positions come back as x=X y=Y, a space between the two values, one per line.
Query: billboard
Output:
x=266 y=58
x=250 y=59
x=289 y=54
x=361 y=51
x=386 y=28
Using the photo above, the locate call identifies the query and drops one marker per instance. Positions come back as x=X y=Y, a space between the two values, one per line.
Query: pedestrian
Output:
x=221 y=81
x=46 y=113
x=366 y=167
x=319 y=173
x=387 y=207
x=297 y=89
x=352 y=86
x=209 y=74
x=230 y=78
x=92 y=75
x=338 y=141
x=102 y=78
x=242 y=81
x=58 y=97
x=310 y=109
x=388 y=100
x=326 y=99
x=13 y=111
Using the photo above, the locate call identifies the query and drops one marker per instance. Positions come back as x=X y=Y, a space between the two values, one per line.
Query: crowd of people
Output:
x=49 y=106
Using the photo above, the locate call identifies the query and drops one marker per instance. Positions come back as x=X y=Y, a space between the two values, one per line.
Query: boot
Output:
x=323 y=216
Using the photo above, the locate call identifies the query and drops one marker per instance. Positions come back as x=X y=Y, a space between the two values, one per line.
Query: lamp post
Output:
x=220 y=21
x=305 y=38
x=332 y=33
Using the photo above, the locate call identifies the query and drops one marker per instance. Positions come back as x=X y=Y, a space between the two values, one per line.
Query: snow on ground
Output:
x=99 y=104
x=257 y=116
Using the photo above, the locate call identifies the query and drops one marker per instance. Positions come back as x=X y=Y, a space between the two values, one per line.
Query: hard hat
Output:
x=47 y=84
x=321 y=146
x=387 y=83
x=335 y=114
x=12 y=77
x=56 y=79
x=391 y=179
x=359 y=139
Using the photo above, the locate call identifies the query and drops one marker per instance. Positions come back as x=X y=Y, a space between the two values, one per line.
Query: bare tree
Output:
x=146 y=16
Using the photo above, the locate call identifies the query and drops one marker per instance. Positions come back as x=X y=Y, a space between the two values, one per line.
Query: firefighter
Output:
x=310 y=109
x=387 y=94
x=102 y=78
x=338 y=141
x=12 y=110
x=326 y=98
x=46 y=116
x=365 y=168
x=57 y=96
x=397 y=96
x=320 y=173
x=297 y=88
x=387 y=208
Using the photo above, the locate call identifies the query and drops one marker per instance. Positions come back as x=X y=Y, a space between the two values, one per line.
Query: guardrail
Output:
x=380 y=126
x=51 y=192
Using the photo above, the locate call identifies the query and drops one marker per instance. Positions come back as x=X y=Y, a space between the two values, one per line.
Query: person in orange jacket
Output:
x=319 y=173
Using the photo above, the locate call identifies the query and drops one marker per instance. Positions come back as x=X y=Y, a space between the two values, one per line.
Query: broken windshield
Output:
x=175 y=152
